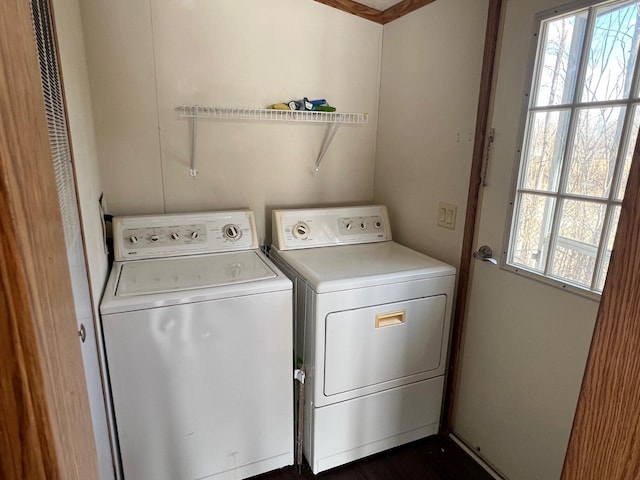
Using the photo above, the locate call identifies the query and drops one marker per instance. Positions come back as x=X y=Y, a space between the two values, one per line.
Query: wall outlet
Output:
x=447 y=215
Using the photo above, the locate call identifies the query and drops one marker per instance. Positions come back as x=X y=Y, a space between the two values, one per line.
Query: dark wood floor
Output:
x=433 y=458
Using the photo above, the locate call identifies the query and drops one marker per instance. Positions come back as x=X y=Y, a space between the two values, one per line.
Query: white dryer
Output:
x=371 y=334
x=197 y=326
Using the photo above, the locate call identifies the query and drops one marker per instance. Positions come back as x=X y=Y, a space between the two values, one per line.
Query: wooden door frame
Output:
x=485 y=101
x=47 y=431
x=606 y=428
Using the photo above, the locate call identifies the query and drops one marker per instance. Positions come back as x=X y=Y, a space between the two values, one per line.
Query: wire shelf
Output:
x=268 y=114
x=334 y=119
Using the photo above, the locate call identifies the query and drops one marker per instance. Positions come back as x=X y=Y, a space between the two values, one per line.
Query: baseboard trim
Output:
x=490 y=470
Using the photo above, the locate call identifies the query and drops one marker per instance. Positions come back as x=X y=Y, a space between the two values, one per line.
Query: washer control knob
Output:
x=363 y=225
x=301 y=231
x=154 y=238
x=133 y=239
x=175 y=236
x=377 y=224
x=195 y=235
x=232 y=232
x=348 y=225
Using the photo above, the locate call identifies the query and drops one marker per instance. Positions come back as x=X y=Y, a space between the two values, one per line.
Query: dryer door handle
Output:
x=388 y=319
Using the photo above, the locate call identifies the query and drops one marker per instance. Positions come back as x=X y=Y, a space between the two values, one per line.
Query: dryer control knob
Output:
x=195 y=235
x=377 y=224
x=348 y=225
x=154 y=238
x=133 y=239
x=175 y=236
x=301 y=231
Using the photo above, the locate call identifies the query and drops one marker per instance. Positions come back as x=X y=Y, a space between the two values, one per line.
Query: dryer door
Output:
x=369 y=346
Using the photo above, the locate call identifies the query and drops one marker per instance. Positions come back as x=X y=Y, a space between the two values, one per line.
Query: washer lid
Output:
x=186 y=273
x=329 y=269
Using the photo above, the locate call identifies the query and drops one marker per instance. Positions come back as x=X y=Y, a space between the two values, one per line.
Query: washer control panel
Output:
x=155 y=236
x=147 y=237
x=321 y=227
x=358 y=225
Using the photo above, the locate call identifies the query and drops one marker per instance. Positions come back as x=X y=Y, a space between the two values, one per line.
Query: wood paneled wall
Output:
x=46 y=424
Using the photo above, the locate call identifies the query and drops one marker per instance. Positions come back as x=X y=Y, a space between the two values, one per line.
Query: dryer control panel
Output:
x=156 y=236
x=322 y=227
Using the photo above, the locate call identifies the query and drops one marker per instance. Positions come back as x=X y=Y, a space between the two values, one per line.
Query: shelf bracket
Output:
x=333 y=129
x=194 y=135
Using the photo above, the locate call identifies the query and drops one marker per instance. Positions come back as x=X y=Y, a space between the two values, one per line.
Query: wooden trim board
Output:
x=475 y=180
x=403 y=8
x=355 y=8
x=378 y=16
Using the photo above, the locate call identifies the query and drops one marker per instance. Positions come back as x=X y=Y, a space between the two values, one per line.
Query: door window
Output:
x=582 y=122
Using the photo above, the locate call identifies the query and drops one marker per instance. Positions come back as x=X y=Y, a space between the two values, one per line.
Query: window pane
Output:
x=595 y=147
x=576 y=248
x=612 y=52
x=631 y=144
x=560 y=50
x=546 y=142
x=533 y=226
x=615 y=217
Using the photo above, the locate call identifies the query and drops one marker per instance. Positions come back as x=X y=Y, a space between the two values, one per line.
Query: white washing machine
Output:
x=371 y=334
x=197 y=326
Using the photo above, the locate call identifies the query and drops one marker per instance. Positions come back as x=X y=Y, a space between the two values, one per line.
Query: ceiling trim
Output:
x=378 y=16
x=402 y=8
x=355 y=8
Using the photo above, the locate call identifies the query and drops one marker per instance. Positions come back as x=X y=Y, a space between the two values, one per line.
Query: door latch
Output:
x=485 y=254
x=82 y=333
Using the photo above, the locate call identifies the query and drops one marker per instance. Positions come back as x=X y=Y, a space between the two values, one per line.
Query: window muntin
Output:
x=632 y=136
x=582 y=124
x=613 y=225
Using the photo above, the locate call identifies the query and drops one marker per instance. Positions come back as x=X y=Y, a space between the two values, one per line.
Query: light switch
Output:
x=447 y=215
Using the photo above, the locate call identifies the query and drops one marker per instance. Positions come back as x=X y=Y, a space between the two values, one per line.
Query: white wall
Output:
x=428 y=99
x=80 y=117
x=146 y=58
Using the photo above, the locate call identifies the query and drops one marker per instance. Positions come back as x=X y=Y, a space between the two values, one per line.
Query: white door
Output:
x=525 y=343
